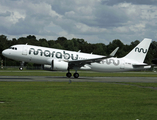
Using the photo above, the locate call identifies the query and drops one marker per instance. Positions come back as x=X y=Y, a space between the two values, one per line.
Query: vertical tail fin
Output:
x=140 y=51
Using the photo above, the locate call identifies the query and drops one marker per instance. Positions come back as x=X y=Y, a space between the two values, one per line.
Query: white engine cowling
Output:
x=46 y=67
x=56 y=65
x=59 y=65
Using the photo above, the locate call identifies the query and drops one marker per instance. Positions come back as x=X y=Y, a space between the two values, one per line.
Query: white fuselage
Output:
x=43 y=55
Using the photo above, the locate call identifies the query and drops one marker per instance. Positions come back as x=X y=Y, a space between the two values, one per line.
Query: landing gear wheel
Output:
x=68 y=75
x=76 y=75
x=21 y=68
x=22 y=64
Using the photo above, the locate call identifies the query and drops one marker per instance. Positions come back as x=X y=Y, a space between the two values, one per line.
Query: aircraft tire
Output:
x=76 y=75
x=68 y=75
x=21 y=68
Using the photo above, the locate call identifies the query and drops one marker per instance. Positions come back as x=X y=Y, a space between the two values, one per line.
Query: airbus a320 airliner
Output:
x=63 y=60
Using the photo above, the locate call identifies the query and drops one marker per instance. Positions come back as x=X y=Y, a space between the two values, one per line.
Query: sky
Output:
x=95 y=21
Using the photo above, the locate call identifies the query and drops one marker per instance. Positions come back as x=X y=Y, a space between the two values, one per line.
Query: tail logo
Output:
x=140 y=50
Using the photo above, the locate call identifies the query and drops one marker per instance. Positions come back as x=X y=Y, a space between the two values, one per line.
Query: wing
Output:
x=80 y=63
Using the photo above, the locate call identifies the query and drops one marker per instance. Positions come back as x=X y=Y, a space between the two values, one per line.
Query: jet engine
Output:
x=46 y=67
x=57 y=65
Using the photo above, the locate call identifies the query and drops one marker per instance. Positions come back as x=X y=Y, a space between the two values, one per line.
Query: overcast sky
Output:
x=95 y=21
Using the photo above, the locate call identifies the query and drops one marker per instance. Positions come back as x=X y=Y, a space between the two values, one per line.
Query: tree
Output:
x=31 y=37
x=51 y=43
x=61 y=41
x=152 y=53
x=58 y=46
x=113 y=45
x=22 y=40
x=4 y=43
x=43 y=42
x=99 y=48
x=14 y=41
x=32 y=40
x=133 y=44
x=69 y=45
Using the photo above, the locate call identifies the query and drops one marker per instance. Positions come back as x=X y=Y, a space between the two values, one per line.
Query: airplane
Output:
x=64 y=60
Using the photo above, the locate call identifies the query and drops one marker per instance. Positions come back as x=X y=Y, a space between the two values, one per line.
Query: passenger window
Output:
x=15 y=48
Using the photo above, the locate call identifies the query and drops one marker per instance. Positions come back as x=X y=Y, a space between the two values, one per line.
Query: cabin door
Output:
x=24 y=50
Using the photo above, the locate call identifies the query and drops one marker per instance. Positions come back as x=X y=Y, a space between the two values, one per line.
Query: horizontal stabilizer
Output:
x=142 y=64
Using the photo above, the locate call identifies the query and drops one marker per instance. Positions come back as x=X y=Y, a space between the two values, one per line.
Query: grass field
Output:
x=78 y=100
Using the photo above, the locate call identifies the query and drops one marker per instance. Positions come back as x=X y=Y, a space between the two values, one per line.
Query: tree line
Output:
x=75 y=44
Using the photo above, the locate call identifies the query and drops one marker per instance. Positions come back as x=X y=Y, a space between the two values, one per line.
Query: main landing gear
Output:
x=69 y=75
x=76 y=75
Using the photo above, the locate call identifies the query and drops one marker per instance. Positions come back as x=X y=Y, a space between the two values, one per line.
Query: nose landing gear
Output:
x=22 y=64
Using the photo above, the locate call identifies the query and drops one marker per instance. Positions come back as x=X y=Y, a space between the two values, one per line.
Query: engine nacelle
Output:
x=46 y=67
x=56 y=65
x=59 y=65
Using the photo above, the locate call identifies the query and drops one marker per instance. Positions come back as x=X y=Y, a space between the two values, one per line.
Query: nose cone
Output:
x=5 y=53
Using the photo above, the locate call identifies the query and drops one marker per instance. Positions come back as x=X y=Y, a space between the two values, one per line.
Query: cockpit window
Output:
x=13 y=48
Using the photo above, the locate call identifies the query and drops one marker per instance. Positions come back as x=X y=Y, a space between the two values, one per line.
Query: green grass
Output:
x=85 y=101
x=82 y=73
x=76 y=101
